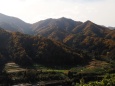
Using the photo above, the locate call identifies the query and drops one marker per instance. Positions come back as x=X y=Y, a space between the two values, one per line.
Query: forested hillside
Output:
x=72 y=53
x=96 y=39
x=13 y=24
x=27 y=50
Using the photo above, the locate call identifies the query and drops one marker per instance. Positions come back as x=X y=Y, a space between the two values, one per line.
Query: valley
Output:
x=56 y=52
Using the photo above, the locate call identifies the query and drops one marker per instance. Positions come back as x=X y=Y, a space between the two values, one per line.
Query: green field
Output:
x=96 y=70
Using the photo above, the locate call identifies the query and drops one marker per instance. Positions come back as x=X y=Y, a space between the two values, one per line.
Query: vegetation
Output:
x=14 y=74
x=89 y=37
x=108 y=80
x=28 y=50
x=71 y=54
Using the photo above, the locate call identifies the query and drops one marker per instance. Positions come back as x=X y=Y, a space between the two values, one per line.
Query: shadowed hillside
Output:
x=14 y=24
x=88 y=36
x=66 y=41
x=27 y=50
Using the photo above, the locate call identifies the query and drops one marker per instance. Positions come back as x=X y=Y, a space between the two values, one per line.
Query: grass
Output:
x=54 y=70
x=95 y=66
x=12 y=67
x=49 y=69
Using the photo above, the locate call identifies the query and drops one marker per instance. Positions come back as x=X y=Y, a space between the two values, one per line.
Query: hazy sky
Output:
x=99 y=11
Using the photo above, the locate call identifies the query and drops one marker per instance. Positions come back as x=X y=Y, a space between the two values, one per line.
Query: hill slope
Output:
x=92 y=37
x=86 y=36
x=55 y=28
x=26 y=50
x=14 y=24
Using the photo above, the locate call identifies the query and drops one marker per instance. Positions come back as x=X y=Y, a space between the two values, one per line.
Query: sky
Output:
x=98 y=11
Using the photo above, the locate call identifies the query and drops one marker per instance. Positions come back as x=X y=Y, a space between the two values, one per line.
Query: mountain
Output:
x=60 y=29
x=27 y=50
x=89 y=28
x=65 y=39
x=96 y=39
x=55 y=28
x=14 y=24
x=86 y=36
x=111 y=28
x=111 y=35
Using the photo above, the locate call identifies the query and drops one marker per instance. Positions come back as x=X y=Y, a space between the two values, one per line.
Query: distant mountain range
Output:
x=111 y=27
x=84 y=36
x=66 y=41
x=45 y=26
x=14 y=24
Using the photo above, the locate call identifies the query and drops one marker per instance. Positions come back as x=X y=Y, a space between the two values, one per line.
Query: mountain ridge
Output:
x=87 y=36
x=27 y=50
x=14 y=22
x=19 y=25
